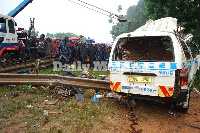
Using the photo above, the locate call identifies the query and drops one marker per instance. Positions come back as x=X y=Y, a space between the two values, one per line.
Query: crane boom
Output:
x=19 y=8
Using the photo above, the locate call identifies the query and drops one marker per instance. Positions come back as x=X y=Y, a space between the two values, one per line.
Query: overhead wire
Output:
x=96 y=7
x=110 y=13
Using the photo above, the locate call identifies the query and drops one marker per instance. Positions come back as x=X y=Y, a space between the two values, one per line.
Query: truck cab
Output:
x=154 y=62
x=8 y=36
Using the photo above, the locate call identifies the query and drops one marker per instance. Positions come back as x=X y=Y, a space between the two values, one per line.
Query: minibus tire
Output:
x=183 y=109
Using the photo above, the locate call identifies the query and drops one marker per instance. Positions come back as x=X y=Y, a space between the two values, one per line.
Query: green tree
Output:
x=50 y=35
x=119 y=8
x=62 y=35
x=186 y=11
x=135 y=14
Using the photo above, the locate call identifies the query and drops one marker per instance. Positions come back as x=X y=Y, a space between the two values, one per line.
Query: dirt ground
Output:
x=106 y=116
x=157 y=118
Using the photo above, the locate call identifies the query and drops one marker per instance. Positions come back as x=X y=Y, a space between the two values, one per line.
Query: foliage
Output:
x=136 y=15
x=197 y=80
x=62 y=35
x=187 y=12
x=118 y=29
x=119 y=8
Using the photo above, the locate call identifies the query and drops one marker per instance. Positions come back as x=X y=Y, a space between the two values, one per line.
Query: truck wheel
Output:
x=6 y=60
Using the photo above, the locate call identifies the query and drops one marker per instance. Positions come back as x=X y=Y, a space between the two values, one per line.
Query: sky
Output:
x=53 y=16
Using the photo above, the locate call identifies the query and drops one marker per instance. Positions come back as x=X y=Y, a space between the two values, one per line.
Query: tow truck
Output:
x=12 y=44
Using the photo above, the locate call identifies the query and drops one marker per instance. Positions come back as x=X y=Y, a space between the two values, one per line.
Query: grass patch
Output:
x=94 y=73
x=71 y=116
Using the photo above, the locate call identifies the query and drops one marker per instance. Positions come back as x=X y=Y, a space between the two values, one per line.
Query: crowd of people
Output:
x=69 y=51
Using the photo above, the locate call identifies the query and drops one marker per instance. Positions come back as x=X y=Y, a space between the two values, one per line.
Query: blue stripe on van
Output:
x=141 y=69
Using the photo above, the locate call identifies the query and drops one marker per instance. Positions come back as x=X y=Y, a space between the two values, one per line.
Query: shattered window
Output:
x=152 y=48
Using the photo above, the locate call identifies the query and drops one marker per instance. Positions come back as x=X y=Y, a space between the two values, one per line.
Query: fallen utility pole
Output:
x=53 y=80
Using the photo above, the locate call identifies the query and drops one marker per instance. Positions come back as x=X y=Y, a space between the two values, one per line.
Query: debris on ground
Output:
x=29 y=86
x=103 y=77
x=95 y=99
x=99 y=96
x=51 y=112
x=170 y=112
x=113 y=95
x=45 y=87
x=29 y=106
x=127 y=101
x=46 y=102
x=69 y=74
x=79 y=96
x=88 y=76
x=84 y=73
x=15 y=94
x=192 y=125
x=67 y=91
x=45 y=112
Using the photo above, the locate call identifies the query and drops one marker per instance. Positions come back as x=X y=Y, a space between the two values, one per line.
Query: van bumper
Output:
x=180 y=97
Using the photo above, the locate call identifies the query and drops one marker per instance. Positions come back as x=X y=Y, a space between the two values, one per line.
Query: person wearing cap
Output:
x=64 y=51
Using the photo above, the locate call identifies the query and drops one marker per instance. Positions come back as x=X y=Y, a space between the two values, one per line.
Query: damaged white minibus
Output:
x=155 y=62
